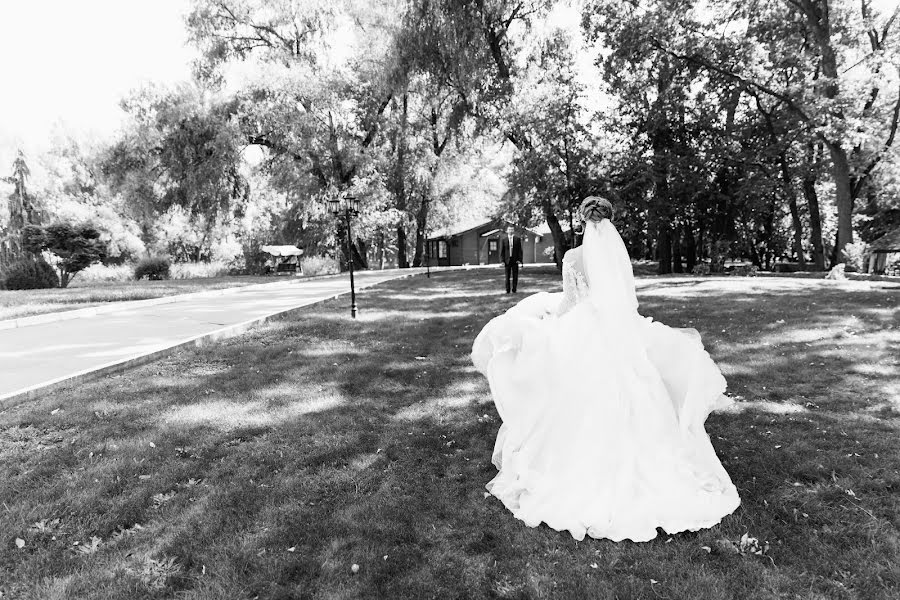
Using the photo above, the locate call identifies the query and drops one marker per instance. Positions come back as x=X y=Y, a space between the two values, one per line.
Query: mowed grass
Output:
x=22 y=303
x=266 y=466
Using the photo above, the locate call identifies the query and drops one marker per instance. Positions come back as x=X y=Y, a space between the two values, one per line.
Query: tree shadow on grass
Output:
x=318 y=442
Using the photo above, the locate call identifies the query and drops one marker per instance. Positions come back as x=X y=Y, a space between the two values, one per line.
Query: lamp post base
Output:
x=353 y=310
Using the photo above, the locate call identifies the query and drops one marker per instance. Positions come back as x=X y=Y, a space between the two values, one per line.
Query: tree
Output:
x=21 y=211
x=848 y=100
x=181 y=153
x=317 y=110
x=73 y=248
x=483 y=50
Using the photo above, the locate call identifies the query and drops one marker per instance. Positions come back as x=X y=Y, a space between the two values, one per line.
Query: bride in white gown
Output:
x=602 y=409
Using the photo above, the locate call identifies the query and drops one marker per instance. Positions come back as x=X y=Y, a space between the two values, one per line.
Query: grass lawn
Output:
x=267 y=466
x=22 y=303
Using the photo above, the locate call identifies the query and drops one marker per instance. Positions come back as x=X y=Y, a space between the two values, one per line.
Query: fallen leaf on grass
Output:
x=155 y=573
x=43 y=526
x=160 y=499
x=90 y=548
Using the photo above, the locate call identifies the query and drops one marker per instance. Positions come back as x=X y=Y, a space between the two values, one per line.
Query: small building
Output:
x=285 y=259
x=480 y=245
x=884 y=251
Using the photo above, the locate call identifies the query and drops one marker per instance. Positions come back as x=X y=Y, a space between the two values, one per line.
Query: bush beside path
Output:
x=269 y=465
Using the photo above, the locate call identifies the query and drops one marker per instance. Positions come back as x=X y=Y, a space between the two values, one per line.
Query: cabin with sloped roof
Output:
x=480 y=245
x=884 y=251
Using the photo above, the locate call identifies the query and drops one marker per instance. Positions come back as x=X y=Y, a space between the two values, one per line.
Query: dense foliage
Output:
x=154 y=268
x=30 y=274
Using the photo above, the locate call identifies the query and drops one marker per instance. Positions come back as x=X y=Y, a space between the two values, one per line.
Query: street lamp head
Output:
x=334 y=206
x=352 y=203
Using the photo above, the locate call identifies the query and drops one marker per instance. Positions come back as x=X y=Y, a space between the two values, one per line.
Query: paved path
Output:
x=35 y=357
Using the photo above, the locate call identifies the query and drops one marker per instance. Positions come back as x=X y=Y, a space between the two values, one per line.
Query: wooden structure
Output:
x=285 y=259
x=883 y=251
x=480 y=245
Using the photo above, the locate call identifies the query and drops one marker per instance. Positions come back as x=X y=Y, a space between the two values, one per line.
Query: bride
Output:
x=602 y=409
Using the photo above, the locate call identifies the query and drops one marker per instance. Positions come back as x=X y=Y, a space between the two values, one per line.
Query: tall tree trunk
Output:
x=690 y=248
x=843 y=197
x=380 y=253
x=400 y=184
x=676 y=251
x=360 y=254
x=791 y=194
x=787 y=183
x=402 y=259
x=661 y=207
x=701 y=248
x=818 y=18
x=560 y=243
x=421 y=230
x=812 y=202
x=664 y=247
x=769 y=231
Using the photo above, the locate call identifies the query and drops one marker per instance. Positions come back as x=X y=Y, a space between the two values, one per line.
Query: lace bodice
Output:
x=575 y=286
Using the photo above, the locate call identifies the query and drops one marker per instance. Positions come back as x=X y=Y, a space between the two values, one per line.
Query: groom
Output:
x=511 y=255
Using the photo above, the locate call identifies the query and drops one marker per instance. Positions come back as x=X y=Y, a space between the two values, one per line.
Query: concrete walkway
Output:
x=36 y=358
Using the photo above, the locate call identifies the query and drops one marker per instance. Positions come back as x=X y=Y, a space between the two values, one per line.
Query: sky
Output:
x=71 y=61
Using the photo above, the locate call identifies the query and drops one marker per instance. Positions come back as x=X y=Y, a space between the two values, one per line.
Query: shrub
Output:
x=701 y=269
x=318 y=265
x=101 y=272
x=31 y=275
x=855 y=256
x=196 y=270
x=153 y=268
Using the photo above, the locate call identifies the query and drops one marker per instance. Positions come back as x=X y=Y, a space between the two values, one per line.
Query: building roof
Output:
x=889 y=242
x=282 y=250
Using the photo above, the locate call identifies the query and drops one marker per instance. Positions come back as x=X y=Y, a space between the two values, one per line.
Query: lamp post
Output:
x=347 y=206
x=427 y=256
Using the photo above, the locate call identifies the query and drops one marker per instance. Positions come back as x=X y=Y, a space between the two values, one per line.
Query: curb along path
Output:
x=46 y=354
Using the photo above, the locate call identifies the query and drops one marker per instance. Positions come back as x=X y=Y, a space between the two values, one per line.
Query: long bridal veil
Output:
x=607 y=268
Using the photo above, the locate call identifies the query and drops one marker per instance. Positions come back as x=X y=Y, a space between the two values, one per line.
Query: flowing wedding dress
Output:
x=602 y=409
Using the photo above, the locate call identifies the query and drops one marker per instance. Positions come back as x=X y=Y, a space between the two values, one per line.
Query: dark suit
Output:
x=511 y=259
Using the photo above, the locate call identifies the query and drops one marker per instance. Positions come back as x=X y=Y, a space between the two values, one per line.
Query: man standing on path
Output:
x=511 y=255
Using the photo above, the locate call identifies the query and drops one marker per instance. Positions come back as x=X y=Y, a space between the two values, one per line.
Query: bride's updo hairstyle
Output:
x=595 y=208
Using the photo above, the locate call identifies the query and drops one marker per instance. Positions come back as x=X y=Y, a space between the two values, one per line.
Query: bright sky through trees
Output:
x=72 y=61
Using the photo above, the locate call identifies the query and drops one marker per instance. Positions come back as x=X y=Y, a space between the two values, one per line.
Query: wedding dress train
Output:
x=602 y=409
